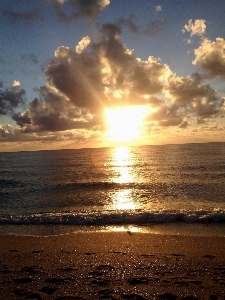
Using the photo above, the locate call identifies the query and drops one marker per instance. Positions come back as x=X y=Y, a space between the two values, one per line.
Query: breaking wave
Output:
x=116 y=218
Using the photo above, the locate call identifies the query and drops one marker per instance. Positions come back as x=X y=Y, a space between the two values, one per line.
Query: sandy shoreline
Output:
x=112 y=265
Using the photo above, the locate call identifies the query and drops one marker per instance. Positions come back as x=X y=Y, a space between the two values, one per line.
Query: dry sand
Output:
x=112 y=265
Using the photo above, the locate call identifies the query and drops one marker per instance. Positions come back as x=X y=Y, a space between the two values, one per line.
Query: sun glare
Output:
x=125 y=123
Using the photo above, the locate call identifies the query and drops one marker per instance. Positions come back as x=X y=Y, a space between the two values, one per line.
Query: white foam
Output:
x=116 y=218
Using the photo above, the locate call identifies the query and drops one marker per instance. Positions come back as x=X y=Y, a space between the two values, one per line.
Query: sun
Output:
x=125 y=123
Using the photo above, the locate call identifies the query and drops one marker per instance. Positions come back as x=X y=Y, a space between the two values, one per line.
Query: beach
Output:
x=112 y=265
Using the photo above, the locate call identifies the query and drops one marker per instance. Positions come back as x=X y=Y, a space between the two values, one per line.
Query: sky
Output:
x=99 y=73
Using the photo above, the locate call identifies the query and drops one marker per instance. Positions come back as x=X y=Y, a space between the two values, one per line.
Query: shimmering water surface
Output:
x=143 y=188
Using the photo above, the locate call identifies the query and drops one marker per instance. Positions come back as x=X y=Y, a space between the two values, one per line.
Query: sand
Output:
x=112 y=265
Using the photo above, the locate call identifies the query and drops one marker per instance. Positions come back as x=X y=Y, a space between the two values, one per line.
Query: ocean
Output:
x=174 y=189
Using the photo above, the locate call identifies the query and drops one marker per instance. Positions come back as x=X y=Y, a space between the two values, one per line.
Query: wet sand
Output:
x=112 y=265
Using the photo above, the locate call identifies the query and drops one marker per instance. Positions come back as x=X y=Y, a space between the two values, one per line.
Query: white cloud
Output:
x=83 y=44
x=198 y=27
x=158 y=8
x=211 y=57
x=15 y=84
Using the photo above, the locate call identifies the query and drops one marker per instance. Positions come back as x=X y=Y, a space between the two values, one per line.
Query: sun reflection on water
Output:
x=122 y=199
x=129 y=229
x=123 y=164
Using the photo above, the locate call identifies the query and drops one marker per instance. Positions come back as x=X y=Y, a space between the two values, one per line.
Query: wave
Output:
x=116 y=218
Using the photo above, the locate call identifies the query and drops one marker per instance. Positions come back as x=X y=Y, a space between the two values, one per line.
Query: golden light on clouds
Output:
x=125 y=123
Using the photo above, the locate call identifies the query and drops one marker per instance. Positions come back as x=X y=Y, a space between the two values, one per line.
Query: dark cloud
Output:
x=130 y=23
x=152 y=28
x=21 y=119
x=208 y=108
x=10 y=99
x=31 y=58
x=52 y=112
x=77 y=76
x=147 y=76
x=167 y=116
x=70 y=10
x=66 y=11
x=111 y=32
x=184 y=124
x=191 y=99
x=26 y=16
x=154 y=101
x=192 y=93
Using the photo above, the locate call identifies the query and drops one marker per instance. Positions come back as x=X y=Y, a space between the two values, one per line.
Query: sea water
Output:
x=178 y=189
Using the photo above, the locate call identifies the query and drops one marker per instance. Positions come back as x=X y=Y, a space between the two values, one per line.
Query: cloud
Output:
x=10 y=99
x=130 y=23
x=184 y=124
x=167 y=116
x=198 y=98
x=83 y=44
x=158 y=8
x=29 y=58
x=216 y=127
x=15 y=84
x=90 y=77
x=27 y=16
x=83 y=81
x=198 y=27
x=151 y=28
x=59 y=1
x=154 y=27
x=212 y=126
x=148 y=76
x=6 y=132
x=78 y=76
x=52 y=112
x=43 y=140
x=70 y=10
x=154 y=101
x=211 y=57
x=65 y=10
